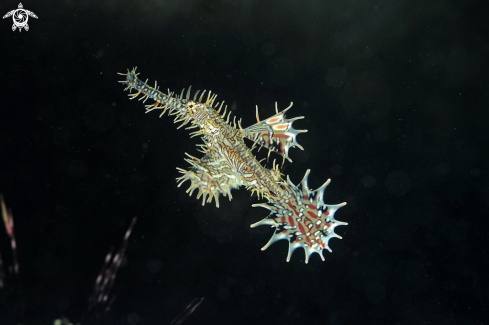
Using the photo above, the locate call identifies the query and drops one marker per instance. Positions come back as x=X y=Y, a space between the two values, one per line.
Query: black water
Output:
x=395 y=98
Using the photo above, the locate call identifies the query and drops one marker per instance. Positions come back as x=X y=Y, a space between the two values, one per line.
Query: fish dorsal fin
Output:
x=275 y=133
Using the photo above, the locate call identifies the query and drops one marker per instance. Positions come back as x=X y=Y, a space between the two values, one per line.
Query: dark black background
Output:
x=396 y=104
